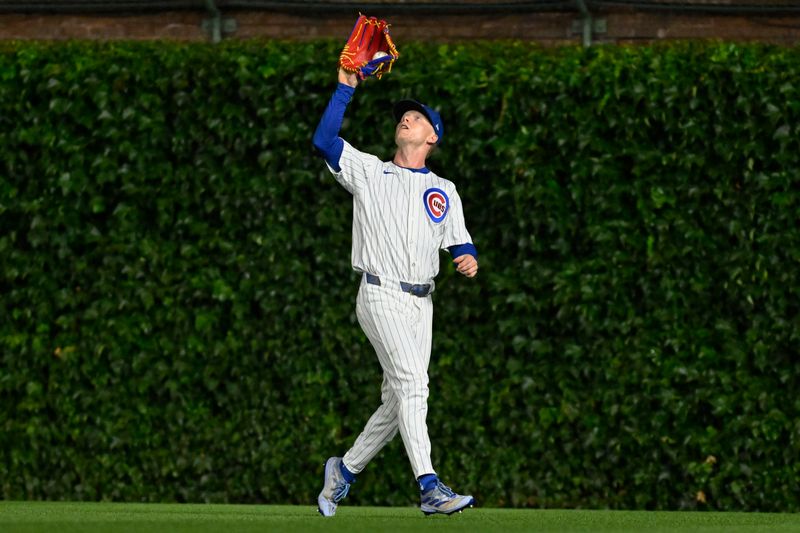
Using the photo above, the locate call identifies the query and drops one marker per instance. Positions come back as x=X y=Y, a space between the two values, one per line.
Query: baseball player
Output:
x=402 y=215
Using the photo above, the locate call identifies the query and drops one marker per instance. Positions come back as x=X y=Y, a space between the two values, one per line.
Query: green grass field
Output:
x=57 y=517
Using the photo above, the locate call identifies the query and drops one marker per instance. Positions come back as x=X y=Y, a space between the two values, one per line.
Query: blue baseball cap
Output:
x=432 y=115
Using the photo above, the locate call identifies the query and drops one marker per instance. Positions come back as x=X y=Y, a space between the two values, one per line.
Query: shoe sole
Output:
x=469 y=504
x=324 y=479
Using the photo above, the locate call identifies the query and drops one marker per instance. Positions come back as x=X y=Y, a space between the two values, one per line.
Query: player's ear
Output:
x=431 y=145
x=432 y=138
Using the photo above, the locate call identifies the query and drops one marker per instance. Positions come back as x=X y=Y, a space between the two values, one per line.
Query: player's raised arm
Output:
x=369 y=52
x=348 y=78
x=326 y=137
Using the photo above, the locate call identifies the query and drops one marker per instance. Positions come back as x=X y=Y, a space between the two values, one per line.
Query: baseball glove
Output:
x=369 y=50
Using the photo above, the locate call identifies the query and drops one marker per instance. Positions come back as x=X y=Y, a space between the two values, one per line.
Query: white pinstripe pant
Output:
x=399 y=326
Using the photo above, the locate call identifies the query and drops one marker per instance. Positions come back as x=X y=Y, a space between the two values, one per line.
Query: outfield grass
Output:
x=58 y=517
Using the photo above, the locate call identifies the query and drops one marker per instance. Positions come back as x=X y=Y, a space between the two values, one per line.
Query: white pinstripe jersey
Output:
x=401 y=218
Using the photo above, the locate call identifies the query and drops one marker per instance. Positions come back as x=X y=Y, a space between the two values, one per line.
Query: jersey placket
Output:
x=412 y=250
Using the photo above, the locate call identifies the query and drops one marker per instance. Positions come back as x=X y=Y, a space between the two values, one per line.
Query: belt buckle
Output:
x=420 y=291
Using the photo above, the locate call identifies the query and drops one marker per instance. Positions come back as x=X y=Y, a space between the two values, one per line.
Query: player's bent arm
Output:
x=465 y=258
x=466 y=264
x=326 y=137
x=461 y=249
x=348 y=78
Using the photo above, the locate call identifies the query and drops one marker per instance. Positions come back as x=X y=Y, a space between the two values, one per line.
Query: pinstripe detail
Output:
x=398 y=326
x=394 y=238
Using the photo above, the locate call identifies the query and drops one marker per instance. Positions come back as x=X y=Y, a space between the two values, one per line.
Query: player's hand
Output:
x=348 y=78
x=466 y=264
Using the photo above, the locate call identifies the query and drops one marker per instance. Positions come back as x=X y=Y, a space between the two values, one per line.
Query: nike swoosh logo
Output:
x=388 y=172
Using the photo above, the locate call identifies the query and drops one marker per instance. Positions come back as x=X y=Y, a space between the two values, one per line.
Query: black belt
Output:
x=418 y=290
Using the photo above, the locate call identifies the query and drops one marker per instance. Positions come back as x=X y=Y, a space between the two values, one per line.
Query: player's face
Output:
x=414 y=128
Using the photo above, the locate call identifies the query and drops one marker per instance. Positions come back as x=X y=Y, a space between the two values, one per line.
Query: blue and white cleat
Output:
x=334 y=488
x=441 y=499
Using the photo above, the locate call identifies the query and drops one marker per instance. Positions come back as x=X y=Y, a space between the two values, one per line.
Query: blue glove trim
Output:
x=370 y=68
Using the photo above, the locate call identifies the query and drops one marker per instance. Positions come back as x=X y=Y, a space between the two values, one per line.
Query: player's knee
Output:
x=388 y=396
x=416 y=388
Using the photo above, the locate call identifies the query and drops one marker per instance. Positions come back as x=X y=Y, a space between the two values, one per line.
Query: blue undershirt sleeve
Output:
x=461 y=249
x=326 y=137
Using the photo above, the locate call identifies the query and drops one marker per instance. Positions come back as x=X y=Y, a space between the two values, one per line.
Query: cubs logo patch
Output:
x=436 y=204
